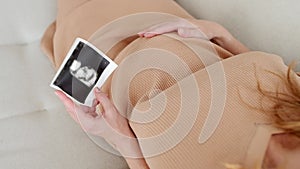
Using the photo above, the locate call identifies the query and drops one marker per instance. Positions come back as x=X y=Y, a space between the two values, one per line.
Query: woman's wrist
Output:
x=130 y=150
x=119 y=136
x=211 y=29
x=221 y=36
x=128 y=146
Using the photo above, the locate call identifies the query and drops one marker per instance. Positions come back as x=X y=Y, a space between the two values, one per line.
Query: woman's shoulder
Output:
x=256 y=62
x=256 y=57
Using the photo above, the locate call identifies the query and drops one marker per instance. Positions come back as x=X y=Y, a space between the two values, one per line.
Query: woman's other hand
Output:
x=72 y=108
x=109 y=123
x=185 y=28
x=194 y=28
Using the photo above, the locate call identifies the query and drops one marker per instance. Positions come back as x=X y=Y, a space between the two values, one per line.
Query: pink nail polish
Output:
x=140 y=34
x=149 y=35
x=97 y=90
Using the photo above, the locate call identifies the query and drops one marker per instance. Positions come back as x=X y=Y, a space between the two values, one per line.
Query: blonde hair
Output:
x=286 y=110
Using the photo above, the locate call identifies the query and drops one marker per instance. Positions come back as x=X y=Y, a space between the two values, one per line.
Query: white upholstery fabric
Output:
x=25 y=21
x=50 y=140
x=27 y=77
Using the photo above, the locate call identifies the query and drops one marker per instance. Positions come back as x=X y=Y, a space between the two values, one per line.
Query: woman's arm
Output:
x=131 y=151
x=109 y=124
x=193 y=28
x=225 y=39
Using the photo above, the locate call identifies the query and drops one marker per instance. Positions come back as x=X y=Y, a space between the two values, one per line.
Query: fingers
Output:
x=159 y=29
x=93 y=110
x=149 y=34
x=90 y=124
x=68 y=103
x=182 y=27
x=87 y=117
x=182 y=31
x=107 y=105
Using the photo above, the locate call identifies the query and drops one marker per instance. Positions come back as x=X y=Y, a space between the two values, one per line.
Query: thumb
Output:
x=104 y=100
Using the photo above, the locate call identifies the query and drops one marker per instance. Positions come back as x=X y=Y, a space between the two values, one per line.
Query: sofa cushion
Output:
x=50 y=139
x=26 y=75
x=25 y=21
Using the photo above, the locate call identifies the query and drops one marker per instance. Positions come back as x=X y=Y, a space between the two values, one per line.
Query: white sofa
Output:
x=35 y=130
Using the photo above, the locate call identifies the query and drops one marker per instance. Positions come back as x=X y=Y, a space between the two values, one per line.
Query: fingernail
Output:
x=97 y=90
x=140 y=34
x=148 y=35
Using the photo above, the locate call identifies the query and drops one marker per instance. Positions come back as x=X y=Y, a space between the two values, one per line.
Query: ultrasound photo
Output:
x=81 y=71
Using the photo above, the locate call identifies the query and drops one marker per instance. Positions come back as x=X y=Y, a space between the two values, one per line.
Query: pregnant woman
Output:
x=186 y=93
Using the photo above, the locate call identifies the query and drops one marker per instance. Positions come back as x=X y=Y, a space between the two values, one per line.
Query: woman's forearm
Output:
x=221 y=36
x=130 y=150
x=135 y=160
x=232 y=45
x=138 y=163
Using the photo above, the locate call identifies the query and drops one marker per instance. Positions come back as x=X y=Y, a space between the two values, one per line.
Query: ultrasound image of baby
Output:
x=85 y=74
x=84 y=68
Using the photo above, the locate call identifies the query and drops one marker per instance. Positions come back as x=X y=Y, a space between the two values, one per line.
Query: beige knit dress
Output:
x=188 y=107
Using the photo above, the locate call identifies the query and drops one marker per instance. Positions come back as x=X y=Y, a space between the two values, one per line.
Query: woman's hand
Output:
x=184 y=28
x=202 y=29
x=109 y=123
